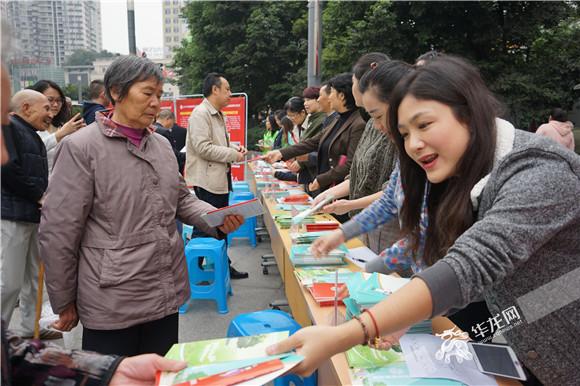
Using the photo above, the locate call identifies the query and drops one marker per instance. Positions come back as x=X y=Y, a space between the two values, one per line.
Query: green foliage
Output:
x=71 y=90
x=86 y=57
x=261 y=48
x=527 y=51
x=254 y=134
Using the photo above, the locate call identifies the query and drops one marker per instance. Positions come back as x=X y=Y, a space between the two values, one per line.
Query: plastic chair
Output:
x=240 y=186
x=241 y=196
x=216 y=272
x=247 y=230
x=266 y=321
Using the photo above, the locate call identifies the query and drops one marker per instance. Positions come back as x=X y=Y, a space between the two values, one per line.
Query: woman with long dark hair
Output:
x=496 y=229
x=62 y=124
x=375 y=156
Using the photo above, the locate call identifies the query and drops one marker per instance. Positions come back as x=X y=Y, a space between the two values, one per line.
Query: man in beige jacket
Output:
x=209 y=152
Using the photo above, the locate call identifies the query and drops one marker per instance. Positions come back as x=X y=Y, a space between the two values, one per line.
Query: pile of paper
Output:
x=284 y=221
x=230 y=361
x=302 y=255
x=325 y=294
x=307 y=237
x=309 y=275
x=301 y=198
x=365 y=292
x=291 y=207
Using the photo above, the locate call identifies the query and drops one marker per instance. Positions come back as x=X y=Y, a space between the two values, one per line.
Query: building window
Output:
x=175 y=11
x=176 y=29
x=167 y=30
x=167 y=11
x=168 y=39
x=167 y=20
x=176 y=39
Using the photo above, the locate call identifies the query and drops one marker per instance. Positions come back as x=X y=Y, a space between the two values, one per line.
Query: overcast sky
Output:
x=148 y=25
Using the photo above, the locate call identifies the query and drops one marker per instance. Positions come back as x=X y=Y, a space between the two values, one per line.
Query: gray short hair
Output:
x=166 y=114
x=128 y=70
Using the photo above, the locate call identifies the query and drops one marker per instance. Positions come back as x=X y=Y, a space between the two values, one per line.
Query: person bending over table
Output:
x=496 y=229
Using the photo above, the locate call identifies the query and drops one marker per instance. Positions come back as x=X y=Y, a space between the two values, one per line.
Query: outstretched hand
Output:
x=273 y=156
x=315 y=343
x=322 y=245
x=141 y=370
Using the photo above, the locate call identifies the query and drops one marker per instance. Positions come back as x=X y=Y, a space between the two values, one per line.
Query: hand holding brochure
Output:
x=246 y=209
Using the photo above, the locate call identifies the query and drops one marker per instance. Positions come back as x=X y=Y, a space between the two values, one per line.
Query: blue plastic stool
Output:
x=247 y=230
x=263 y=322
x=241 y=196
x=241 y=186
x=215 y=271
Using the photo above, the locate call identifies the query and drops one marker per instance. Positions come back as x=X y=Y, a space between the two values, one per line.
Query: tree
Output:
x=71 y=90
x=259 y=46
x=498 y=37
x=86 y=57
x=527 y=51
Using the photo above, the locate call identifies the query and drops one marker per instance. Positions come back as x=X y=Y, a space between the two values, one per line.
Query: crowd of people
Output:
x=415 y=157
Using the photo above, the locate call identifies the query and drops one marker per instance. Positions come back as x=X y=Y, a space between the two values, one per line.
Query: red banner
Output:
x=167 y=105
x=235 y=114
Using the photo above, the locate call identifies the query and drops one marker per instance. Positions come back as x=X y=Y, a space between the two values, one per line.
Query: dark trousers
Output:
x=217 y=200
x=152 y=337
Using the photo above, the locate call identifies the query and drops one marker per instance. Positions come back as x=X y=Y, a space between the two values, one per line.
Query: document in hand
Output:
x=246 y=209
x=240 y=361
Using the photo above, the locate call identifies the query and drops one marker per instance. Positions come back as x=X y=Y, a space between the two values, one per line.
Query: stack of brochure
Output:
x=306 y=237
x=291 y=207
x=284 y=221
x=310 y=275
x=302 y=255
x=365 y=292
x=325 y=294
x=230 y=361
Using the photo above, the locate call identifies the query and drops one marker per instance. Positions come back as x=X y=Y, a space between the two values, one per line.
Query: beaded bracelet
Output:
x=365 y=330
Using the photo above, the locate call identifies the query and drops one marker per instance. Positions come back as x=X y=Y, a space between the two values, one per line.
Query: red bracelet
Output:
x=377 y=333
x=365 y=330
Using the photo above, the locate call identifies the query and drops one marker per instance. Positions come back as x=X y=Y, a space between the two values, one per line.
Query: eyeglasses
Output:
x=52 y=100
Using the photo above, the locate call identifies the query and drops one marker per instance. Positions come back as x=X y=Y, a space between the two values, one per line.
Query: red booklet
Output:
x=322 y=226
x=297 y=198
x=233 y=377
x=324 y=293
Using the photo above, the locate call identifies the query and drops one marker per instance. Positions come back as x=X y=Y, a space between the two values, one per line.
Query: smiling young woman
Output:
x=496 y=229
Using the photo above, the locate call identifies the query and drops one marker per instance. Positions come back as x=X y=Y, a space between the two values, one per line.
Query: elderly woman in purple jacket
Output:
x=108 y=237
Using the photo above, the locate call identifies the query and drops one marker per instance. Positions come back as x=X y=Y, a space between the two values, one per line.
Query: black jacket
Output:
x=173 y=140
x=25 y=176
x=89 y=110
x=179 y=134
